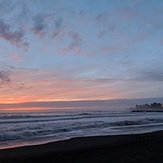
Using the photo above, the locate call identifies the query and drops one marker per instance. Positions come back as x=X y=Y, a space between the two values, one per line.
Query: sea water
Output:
x=29 y=128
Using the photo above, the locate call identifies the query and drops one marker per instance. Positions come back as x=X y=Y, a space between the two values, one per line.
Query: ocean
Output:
x=30 y=128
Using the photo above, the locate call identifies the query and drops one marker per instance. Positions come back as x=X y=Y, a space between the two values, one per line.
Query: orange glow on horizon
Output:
x=31 y=109
x=85 y=95
x=61 y=90
x=8 y=101
x=55 y=88
x=24 y=109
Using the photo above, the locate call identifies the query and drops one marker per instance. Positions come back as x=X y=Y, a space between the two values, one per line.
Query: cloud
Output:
x=151 y=76
x=46 y=24
x=58 y=23
x=103 y=80
x=74 y=44
x=103 y=18
x=71 y=41
x=76 y=41
x=116 y=21
x=14 y=37
x=4 y=77
x=39 y=25
x=57 y=27
x=15 y=57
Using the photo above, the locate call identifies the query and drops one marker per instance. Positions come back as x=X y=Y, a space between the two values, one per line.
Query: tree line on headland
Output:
x=148 y=107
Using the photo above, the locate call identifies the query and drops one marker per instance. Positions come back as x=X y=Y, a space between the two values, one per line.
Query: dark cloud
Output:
x=75 y=43
x=57 y=27
x=15 y=37
x=102 y=18
x=151 y=76
x=58 y=23
x=76 y=40
x=42 y=23
x=39 y=25
x=102 y=34
x=4 y=77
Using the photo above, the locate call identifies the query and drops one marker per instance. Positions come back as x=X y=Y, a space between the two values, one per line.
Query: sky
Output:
x=73 y=50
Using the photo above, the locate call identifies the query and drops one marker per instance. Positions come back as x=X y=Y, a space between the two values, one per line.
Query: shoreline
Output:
x=51 y=139
x=120 y=148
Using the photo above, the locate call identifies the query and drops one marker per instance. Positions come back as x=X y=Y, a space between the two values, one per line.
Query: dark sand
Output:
x=143 y=148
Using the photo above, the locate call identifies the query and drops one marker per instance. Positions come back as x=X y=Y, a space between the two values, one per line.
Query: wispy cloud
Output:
x=4 y=77
x=75 y=43
x=58 y=23
x=15 y=37
x=151 y=76
x=15 y=57
x=39 y=25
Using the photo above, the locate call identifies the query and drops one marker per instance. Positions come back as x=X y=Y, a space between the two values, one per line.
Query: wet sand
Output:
x=99 y=149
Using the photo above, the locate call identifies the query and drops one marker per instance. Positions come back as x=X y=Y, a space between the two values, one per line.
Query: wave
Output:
x=21 y=127
x=137 y=122
x=49 y=129
x=6 y=119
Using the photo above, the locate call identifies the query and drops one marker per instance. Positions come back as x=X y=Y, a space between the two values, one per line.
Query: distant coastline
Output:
x=154 y=107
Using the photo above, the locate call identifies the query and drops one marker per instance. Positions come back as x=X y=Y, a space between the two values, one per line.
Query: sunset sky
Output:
x=66 y=50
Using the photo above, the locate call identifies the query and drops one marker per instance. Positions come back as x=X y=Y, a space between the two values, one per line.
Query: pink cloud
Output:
x=47 y=86
x=4 y=77
x=15 y=57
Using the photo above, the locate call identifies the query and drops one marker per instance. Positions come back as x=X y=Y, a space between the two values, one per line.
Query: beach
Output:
x=121 y=148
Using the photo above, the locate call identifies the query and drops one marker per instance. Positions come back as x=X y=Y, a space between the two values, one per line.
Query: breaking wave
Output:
x=72 y=124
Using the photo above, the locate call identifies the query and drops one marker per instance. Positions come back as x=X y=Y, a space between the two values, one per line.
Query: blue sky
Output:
x=59 y=50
